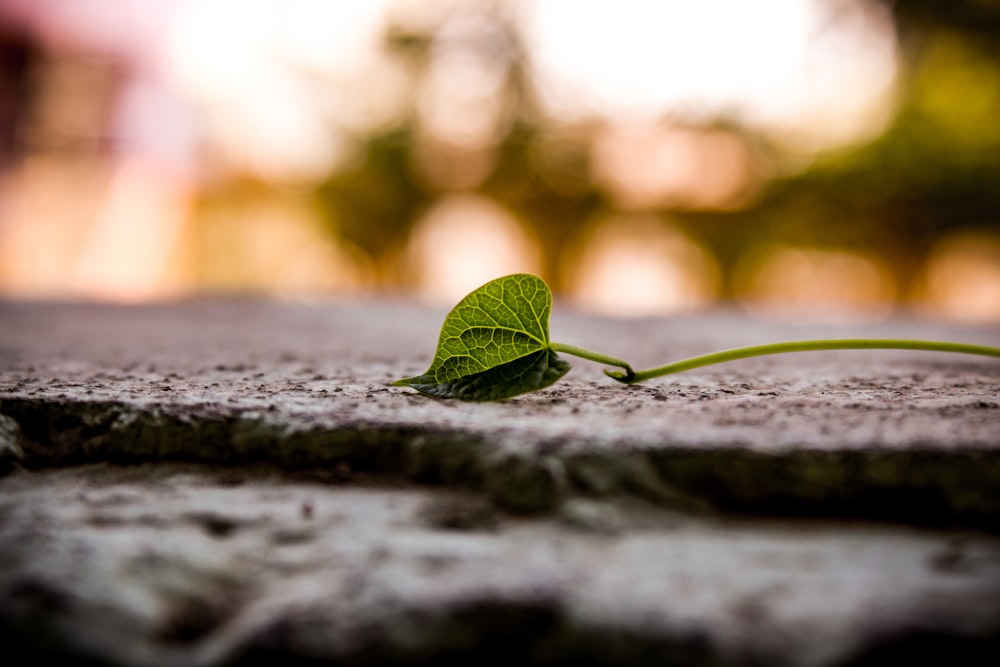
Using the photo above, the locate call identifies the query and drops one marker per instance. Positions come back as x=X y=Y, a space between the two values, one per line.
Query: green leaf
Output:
x=494 y=344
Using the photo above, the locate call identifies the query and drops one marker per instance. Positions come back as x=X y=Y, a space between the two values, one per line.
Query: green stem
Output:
x=627 y=376
x=795 y=346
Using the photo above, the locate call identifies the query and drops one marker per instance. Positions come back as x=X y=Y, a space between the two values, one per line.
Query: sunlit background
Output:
x=821 y=159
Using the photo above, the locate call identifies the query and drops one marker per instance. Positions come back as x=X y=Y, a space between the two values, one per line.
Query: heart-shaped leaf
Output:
x=494 y=344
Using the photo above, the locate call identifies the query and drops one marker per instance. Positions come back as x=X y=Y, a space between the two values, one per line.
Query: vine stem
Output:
x=633 y=377
x=583 y=353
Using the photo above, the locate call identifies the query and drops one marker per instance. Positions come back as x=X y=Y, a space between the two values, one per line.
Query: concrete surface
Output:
x=224 y=482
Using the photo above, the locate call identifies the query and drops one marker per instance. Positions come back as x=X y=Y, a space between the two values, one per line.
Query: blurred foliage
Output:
x=373 y=203
x=934 y=170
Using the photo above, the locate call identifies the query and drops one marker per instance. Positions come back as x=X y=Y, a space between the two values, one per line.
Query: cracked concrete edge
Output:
x=10 y=442
x=958 y=488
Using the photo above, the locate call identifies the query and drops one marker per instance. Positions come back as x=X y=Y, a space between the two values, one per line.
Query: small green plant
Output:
x=495 y=344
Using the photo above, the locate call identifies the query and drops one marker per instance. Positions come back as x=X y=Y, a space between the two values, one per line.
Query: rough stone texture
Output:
x=210 y=566
x=224 y=482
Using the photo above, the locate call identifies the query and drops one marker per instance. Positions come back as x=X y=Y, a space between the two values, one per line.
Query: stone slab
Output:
x=161 y=565
x=233 y=482
x=307 y=384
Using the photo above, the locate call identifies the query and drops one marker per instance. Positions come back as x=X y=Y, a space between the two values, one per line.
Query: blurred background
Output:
x=819 y=159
